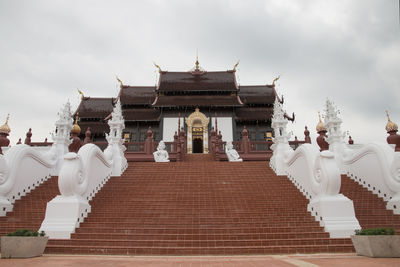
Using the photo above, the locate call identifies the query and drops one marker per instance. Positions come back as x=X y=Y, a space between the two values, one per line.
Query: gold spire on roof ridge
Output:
x=76 y=129
x=120 y=82
x=197 y=61
x=390 y=126
x=320 y=126
x=5 y=128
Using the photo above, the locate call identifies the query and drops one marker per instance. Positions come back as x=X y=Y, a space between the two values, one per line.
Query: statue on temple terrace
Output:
x=161 y=155
x=231 y=153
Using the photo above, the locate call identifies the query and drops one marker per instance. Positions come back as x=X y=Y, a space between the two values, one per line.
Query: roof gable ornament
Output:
x=158 y=67
x=197 y=69
x=275 y=80
x=120 y=82
x=81 y=93
x=235 y=66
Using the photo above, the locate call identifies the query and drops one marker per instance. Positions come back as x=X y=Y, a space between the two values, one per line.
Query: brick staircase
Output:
x=29 y=211
x=370 y=210
x=199 y=207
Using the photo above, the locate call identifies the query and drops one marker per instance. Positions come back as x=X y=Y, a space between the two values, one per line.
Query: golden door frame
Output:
x=197 y=119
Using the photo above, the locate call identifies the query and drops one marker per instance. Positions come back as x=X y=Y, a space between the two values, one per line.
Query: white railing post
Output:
x=82 y=175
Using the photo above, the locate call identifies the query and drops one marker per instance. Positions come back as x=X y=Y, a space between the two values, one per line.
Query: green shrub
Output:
x=26 y=232
x=376 y=231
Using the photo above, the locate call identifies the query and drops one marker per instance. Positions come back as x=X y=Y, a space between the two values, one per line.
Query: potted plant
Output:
x=23 y=244
x=379 y=243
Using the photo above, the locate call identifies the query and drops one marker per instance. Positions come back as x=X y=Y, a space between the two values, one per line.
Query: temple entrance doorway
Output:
x=197 y=132
x=197 y=136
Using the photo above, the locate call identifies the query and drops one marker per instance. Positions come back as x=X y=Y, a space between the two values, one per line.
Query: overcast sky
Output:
x=344 y=50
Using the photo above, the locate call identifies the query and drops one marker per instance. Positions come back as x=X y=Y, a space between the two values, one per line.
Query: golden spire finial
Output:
x=81 y=93
x=197 y=60
x=320 y=126
x=390 y=126
x=120 y=82
x=158 y=67
x=274 y=81
x=5 y=128
x=234 y=67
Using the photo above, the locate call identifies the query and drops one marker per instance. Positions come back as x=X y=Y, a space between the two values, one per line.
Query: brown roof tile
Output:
x=261 y=113
x=257 y=94
x=141 y=114
x=93 y=107
x=137 y=95
x=208 y=81
x=197 y=100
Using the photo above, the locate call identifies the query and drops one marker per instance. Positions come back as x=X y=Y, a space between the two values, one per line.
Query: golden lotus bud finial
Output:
x=81 y=93
x=5 y=129
x=76 y=129
x=275 y=80
x=390 y=126
x=320 y=126
x=120 y=82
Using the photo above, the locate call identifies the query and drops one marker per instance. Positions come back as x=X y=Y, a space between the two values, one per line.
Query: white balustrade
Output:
x=376 y=166
x=317 y=176
x=22 y=168
x=82 y=175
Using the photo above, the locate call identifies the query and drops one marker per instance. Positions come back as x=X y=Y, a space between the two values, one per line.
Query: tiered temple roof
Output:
x=181 y=90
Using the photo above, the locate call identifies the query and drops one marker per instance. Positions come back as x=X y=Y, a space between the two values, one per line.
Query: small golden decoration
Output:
x=120 y=82
x=320 y=126
x=81 y=93
x=390 y=126
x=235 y=66
x=158 y=67
x=76 y=129
x=275 y=80
x=5 y=128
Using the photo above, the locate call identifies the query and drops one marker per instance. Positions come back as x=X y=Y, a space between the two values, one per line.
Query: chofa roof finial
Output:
x=158 y=67
x=235 y=66
x=275 y=80
x=120 y=82
x=81 y=93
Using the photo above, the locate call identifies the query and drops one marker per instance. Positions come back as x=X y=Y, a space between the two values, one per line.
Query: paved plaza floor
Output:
x=306 y=260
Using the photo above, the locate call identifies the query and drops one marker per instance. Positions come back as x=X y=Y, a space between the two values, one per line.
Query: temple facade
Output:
x=196 y=100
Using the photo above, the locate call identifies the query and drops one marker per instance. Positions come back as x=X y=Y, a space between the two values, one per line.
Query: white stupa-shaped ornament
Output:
x=281 y=148
x=61 y=136
x=336 y=137
x=115 y=149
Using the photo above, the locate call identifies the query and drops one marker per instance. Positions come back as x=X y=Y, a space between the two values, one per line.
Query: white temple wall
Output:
x=170 y=126
x=225 y=126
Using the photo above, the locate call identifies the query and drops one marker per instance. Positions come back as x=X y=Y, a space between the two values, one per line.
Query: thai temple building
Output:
x=199 y=94
x=198 y=165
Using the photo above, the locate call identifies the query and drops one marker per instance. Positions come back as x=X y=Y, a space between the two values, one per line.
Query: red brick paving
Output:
x=326 y=260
